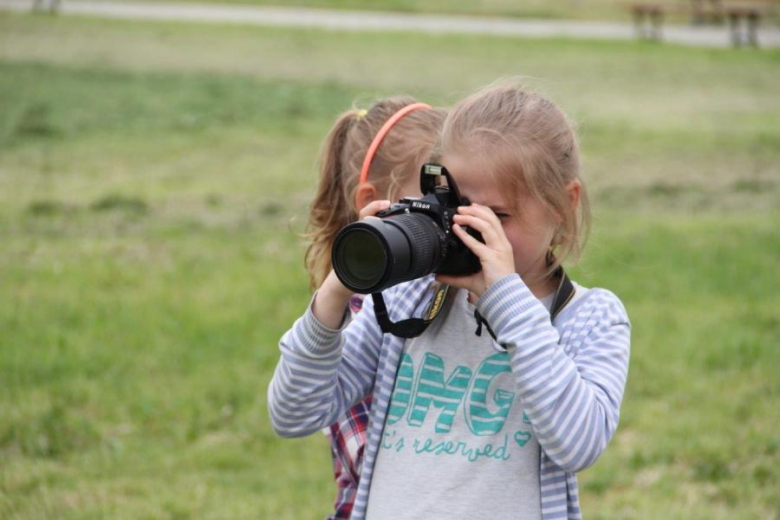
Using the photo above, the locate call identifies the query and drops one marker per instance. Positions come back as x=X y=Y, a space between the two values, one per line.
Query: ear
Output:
x=574 y=189
x=365 y=194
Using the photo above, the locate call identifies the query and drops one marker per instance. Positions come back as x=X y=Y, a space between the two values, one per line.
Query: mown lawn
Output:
x=153 y=178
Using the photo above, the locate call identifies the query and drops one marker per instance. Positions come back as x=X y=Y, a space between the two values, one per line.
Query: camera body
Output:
x=440 y=204
x=409 y=240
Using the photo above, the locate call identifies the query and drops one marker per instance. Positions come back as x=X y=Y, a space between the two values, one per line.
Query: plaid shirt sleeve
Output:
x=348 y=439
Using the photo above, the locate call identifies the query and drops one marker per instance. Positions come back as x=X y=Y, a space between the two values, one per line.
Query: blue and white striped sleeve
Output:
x=322 y=372
x=573 y=403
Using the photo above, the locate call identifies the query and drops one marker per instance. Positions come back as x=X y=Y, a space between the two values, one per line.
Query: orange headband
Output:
x=383 y=132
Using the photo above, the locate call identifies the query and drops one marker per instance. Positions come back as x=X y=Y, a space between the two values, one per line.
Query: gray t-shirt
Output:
x=456 y=442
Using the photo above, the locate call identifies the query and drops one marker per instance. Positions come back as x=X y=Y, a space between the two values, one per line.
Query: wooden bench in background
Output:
x=744 y=17
x=707 y=11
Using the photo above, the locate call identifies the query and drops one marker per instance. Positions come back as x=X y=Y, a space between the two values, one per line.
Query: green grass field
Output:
x=153 y=178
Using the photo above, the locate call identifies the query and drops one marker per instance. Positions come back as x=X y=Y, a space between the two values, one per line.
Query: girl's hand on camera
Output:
x=372 y=208
x=495 y=255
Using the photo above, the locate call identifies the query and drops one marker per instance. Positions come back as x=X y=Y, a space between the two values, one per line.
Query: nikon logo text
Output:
x=421 y=205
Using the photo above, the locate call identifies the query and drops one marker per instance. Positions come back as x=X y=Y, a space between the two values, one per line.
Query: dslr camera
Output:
x=409 y=240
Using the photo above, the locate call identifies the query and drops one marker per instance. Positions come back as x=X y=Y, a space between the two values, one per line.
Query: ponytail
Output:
x=330 y=209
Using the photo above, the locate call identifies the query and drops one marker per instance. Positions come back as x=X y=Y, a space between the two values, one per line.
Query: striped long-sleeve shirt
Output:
x=570 y=376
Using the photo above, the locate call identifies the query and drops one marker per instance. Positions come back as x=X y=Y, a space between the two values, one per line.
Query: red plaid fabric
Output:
x=348 y=439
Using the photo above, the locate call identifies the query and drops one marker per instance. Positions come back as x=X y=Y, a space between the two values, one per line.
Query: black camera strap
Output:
x=411 y=327
x=563 y=295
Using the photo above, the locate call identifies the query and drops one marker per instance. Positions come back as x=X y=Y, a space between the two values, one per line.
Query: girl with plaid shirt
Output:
x=368 y=155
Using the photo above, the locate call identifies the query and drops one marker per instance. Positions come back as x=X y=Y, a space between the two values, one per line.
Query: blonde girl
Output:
x=467 y=424
x=368 y=155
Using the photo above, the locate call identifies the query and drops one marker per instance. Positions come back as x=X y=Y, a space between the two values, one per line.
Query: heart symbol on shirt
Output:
x=522 y=437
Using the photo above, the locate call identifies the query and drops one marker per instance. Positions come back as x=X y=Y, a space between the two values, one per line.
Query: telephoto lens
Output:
x=374 y=254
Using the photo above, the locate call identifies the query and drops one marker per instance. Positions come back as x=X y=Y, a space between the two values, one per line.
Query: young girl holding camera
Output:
x=466 y=424
x=368 y=155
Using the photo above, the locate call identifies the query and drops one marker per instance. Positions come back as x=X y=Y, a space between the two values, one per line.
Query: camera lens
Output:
x=362 y=256
x=373 y=254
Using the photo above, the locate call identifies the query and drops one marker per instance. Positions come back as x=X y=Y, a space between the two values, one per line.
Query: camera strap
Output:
x=411 y=327
x=563 y=295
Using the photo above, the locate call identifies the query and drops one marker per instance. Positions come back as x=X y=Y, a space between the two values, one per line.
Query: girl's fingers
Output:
x=477 y=247
x=486 y=214
x=495 y=235
x=481 y=211
x=372 y=208
x=493 y=238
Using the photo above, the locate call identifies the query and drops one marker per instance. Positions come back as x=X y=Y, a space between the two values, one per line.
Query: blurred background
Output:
x=155 y=177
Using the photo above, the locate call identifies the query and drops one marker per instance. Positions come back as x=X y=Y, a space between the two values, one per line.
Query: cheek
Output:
x=538 y=228
x=528 y=243
x=521 y=242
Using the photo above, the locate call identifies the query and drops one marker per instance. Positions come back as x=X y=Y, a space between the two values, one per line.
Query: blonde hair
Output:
x=403 y=150
x=531 y=147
